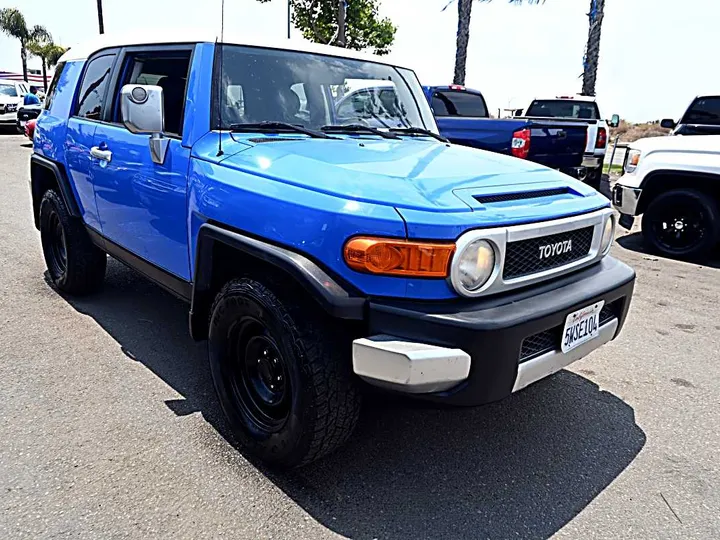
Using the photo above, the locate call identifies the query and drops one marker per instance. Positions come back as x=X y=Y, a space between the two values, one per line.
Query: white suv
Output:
x=11 y=98
x=576 y=108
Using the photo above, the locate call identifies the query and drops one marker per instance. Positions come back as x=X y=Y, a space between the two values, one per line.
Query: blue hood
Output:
x=415 y=174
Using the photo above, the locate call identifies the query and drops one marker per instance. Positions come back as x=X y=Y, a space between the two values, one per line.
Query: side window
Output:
x=91 y=97
x=439 y=107
x=53 y=85
x=168 y=70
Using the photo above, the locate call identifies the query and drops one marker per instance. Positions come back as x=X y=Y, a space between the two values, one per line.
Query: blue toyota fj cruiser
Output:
x=318 y=248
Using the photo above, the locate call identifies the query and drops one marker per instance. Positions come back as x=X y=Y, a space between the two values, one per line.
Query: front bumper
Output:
x=8 y=118
x=626 y=199
x=475 y=352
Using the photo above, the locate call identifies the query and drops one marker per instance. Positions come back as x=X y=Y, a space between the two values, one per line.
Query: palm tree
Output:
x=592 y=52
x=463 y=34
x=12 y=23
x=49 y=54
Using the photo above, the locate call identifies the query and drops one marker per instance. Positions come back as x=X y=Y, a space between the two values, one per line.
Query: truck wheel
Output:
x=75 y=264
x=283 y=377
x=682 y=223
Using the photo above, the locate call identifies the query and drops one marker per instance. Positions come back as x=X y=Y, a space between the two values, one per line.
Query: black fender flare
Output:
x=38 y=162
x=336 y=299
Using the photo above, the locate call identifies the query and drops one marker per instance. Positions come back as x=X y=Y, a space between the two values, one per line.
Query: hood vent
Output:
x=261 y=140
x=487 y=199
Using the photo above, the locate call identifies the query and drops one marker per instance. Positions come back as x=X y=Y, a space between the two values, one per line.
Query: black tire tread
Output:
x=336 y=397
x=86 y=263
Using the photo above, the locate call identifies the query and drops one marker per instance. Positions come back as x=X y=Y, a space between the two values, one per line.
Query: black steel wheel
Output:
x=682 y=223
x=283 y=374
x=75 y=265
x=258 y=375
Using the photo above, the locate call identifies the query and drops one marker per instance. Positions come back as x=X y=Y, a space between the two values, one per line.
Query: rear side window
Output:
x=704 y=110
x=91 y=98
x=563 y=108
x=458 y=103
x=53 y=85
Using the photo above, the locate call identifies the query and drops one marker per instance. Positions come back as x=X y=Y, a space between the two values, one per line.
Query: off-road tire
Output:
x=75 y=265
x=324 y=401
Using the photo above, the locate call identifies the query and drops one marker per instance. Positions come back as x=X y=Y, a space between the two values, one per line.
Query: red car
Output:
x=30 y=129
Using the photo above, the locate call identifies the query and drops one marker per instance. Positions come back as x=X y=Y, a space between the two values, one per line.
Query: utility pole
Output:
x=289 y=19
x=341 y=39
x=101 y=25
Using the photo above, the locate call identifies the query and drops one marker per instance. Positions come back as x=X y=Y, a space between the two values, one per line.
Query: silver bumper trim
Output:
x=626 y=199
x=591 y=162
x=414 y=368
x=552 y=362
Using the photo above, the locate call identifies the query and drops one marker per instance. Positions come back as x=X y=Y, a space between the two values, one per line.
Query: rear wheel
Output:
x=682 y=223
x=282 y=375
x=75 y=265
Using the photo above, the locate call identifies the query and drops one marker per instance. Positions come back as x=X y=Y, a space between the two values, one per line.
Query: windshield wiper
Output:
x=419 y=131
x=277 y=127
x=358 y=128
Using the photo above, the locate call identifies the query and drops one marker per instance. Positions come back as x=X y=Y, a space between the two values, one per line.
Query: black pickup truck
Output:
x=701 y=118
x=462 y=117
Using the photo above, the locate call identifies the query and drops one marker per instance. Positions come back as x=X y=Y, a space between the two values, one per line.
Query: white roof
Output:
x=83 y=50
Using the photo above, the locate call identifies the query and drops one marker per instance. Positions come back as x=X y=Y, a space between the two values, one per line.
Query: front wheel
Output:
x=283 y=377
x=682 y=223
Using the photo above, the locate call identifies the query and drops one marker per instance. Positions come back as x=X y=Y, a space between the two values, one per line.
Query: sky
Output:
x=656 y=55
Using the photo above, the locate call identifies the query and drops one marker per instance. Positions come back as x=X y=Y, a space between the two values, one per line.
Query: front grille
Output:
x=485 y=199
x=523 y=258
x=549 y=340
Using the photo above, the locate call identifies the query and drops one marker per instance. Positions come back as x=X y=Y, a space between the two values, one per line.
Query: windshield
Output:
x=459 y=103
x=704 y=110
x=8 y=90
x=312 y=90
x=564 y=108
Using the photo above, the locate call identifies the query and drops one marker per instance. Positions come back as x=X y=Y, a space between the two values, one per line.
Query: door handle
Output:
x=104 y=155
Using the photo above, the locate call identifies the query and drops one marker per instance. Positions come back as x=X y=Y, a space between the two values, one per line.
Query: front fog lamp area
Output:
x=473 y=266
x=608 y=235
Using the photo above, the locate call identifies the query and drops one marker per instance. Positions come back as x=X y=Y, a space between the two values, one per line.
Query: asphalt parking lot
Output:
x=109 y=427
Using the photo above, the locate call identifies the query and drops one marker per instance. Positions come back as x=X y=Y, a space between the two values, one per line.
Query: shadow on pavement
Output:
x=634 y=242
x=521 y=468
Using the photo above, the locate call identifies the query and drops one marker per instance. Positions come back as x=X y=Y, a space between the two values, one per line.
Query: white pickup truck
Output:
x=674 y=182
x=581 y=109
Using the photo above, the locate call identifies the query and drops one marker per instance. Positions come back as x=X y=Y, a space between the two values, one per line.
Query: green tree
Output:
x=354 y=24
x=463 y=34
x=12 y=23
x=48 y=52
x=592 y=51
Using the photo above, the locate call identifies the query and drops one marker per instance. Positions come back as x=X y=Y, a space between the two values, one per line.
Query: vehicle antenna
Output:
x=220 y=74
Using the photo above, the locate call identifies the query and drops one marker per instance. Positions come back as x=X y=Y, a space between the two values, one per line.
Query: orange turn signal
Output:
x=398 y=257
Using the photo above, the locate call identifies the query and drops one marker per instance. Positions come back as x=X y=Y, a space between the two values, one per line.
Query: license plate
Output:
x=581 y=326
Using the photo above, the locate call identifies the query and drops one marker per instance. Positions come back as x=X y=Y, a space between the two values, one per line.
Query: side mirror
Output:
x=142 y=109
x=668 y=123
x=614 y=121
x=518 y=112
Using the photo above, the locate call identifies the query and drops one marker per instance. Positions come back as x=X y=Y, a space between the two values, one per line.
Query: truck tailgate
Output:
x=558 y=144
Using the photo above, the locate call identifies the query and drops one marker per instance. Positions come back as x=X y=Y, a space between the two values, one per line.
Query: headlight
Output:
x=632 y=161
x=473 y=266
x=608 y=235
